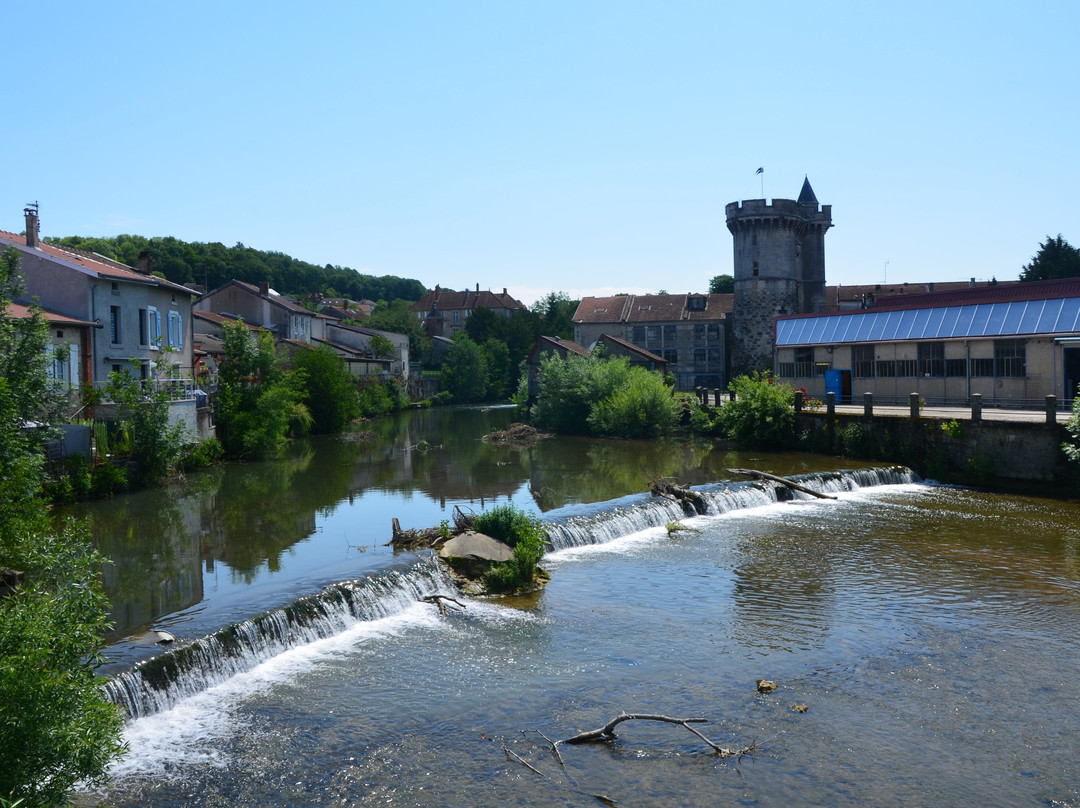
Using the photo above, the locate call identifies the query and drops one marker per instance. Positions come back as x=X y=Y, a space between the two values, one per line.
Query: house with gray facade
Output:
x=141 y=322
x=686 y=331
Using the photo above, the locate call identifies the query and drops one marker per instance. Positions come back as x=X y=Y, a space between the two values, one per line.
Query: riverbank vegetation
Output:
x=602 y=396
x=56 y=727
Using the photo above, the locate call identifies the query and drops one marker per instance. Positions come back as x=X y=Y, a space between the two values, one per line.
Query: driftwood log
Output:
x=607 y=732
x=693 y=502
x=414 y=539
x=761 y=475
x=441 y=601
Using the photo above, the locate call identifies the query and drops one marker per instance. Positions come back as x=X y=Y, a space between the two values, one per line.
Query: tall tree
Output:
x=722 y=285
x=464 y=371
x=557 y=312
x=1056 y=258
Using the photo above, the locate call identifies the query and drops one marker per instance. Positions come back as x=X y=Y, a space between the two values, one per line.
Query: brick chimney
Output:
x=264 y=288
x=146 y=262
x=31 y=214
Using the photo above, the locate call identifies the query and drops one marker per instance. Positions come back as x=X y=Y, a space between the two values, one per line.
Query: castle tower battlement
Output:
x=779 y=269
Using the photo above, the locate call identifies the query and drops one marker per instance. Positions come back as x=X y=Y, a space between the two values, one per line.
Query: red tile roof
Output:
x=19 y=311
x=91 y=262
x=449 y=301
x=652 y=308
x=1001 y=293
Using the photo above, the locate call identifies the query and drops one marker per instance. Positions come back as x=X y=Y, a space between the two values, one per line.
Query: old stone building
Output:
x=779 y=270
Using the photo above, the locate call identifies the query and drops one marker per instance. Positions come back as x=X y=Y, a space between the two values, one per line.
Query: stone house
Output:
x=444 y=313
x=686 y=331
x=139 y=319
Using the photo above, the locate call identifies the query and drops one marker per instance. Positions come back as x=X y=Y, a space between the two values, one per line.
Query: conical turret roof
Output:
x=806 y=195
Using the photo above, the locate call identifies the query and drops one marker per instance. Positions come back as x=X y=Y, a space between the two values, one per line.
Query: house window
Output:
x=821 y=367
x=699 y=334
x=699 y=358
x=176 y=330
x=671 y=356
x=638 y=335
x=907 y=367
x=862 y=361
x=152 y=328
x=714 y=357
x=931 y=359
x=1009 y=357
x=114 y=325
x=713 y=331
x=982 y=368
x=670 y=333
x=804 y=362
x=455 y=317
x=785 y=370
x=653 y=334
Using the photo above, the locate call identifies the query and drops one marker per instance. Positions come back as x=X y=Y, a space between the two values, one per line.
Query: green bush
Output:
x=201 y=455
x=598 y=396
x=642 y=408
x=762 y=414
x=523 y=532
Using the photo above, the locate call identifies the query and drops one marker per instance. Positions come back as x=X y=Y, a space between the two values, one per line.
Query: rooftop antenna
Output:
x=885 y=280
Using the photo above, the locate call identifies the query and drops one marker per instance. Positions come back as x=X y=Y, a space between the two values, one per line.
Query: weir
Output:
x=158 y=683
x=640 y=513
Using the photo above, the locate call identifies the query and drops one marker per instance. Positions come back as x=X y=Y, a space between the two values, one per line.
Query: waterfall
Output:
x=638 y=513
x=158 y=683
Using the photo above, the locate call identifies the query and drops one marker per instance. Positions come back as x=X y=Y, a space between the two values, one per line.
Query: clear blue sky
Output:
x=587 y=147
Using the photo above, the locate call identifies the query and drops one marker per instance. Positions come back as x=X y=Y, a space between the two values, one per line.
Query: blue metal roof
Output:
x=1009 y=319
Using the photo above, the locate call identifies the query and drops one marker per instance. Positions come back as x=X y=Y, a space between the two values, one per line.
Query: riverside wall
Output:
x=991 y=453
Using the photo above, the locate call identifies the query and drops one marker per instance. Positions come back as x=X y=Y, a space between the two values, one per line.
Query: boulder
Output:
x=471 y=544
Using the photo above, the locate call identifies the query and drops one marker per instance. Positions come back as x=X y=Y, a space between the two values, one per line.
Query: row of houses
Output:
x=105 y=316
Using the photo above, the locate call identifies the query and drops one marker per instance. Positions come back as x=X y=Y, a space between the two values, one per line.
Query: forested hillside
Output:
x=211 y=265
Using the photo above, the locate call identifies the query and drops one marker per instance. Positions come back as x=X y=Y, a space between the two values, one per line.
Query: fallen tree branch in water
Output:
x=441 y=601
x=761 y=475
x=607 y=732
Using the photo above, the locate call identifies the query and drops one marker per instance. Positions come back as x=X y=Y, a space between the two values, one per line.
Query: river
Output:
x=924 y=640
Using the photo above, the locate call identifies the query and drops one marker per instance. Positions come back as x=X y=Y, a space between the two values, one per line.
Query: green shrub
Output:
x=762 y=414
x=642 y=408
x=201 y=455
x=526 y=534
x=108 y=478
x=856 y=442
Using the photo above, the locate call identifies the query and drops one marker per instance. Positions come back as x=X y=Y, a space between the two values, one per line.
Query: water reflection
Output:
x=254 y=535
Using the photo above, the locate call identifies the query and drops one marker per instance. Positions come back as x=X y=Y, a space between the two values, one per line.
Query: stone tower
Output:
x=779 y=269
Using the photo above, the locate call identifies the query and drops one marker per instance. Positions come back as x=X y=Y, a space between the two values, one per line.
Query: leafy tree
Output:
x=497 y=360
x=381 y=347
x=329 y=390
x=259 y=404
x=484 y=324
x=56 y=727
x=1056 y=258
x=722 y=285
x=464 y=371
x=556 y=311
x=155 y=446
x=762 y=416
x=396 y=318
x=641 y=407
